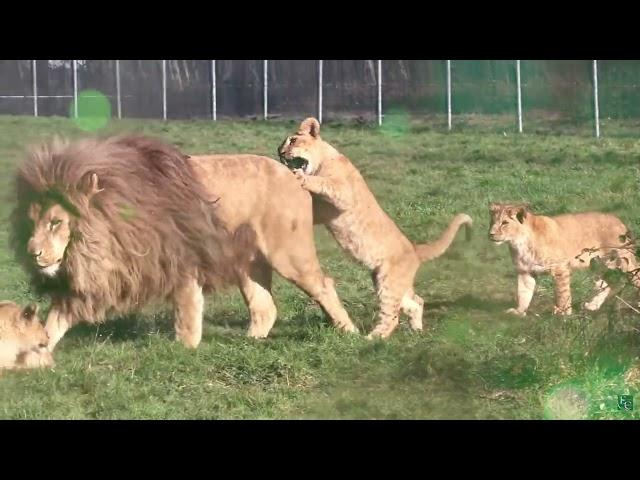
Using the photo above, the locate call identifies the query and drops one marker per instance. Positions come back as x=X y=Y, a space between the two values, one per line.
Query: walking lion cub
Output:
x=343 y=202
x=557 y=245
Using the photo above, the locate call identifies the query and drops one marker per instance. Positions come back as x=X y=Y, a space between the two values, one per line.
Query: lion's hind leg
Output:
x=305 y=272
x=256 y=291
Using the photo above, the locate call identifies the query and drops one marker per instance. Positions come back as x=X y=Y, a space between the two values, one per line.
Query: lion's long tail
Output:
x=429 y=251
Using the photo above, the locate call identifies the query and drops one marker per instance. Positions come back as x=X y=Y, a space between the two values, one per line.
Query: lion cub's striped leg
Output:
x=256 y=290
x=562 y=281
x=188 y=303
x=388 y=317
x=413 y=306
x=392 y=287
x=526 y=287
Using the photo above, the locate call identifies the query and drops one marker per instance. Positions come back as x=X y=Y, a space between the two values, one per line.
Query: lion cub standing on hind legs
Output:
x=557 y=245
x=344 y=203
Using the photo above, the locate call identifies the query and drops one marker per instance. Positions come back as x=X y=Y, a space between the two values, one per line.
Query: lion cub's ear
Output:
x=521 y=214
x=30 y=311
x=494 y=207
x=310 y=126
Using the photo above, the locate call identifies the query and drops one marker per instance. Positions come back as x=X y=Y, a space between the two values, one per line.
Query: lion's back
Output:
x=252 y=188
x=591 y=229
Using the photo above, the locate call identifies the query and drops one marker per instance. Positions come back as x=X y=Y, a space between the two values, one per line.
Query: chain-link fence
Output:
x=550 y=96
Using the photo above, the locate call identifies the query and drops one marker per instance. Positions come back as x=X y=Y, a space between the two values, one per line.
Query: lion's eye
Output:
x=504 y=222
x=292 y=140
x=54 y=223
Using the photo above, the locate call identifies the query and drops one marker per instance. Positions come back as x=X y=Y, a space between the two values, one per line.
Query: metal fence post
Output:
x=34 y=73
x=75 y=88
x=164 y=89
x=379 y=92
x=519 y=96
x=320 y=91
x=449 y=94
x=214 y=112
x=595 y=97
x=118 y=95
x=265 y=87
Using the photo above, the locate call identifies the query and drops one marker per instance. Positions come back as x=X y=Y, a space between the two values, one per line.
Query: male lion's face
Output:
x=303 y=149
x=506 y=222
x=50 y=237
x=23 y=339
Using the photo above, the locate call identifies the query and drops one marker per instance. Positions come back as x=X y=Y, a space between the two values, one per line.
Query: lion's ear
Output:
x=91 y=184
x=310 y=126
x=521 y=214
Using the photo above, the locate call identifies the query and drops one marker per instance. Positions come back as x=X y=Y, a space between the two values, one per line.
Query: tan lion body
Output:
x=137 y=220
x=262 y=193
x=23 y=339
x=557 y=245
x=345 y=204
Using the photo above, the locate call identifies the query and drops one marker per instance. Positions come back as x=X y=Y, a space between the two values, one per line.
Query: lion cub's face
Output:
x=507 y=222
x=304 y=149
x=23 y=339
x=50 y=237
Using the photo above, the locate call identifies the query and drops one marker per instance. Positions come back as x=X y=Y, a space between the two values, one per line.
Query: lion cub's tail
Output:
x=429 y=251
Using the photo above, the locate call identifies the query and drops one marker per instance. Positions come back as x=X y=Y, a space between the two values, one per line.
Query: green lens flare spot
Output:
x=93 y=110
x=395 y=123
x=567 y=402
x=127 y=212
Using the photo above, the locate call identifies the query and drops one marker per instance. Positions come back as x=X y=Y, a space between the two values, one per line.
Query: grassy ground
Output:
x=472 y=361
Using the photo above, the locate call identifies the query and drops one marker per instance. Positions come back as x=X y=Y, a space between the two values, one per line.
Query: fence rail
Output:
x=373 y=88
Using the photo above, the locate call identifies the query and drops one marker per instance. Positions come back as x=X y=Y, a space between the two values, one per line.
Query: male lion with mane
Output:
x=107 y=225
x=344 y=203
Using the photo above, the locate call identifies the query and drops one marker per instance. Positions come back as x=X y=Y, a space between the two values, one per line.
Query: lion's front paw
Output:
x=301 y=177
x=514 y=311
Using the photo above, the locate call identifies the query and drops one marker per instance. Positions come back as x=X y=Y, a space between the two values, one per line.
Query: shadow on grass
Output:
x=134 y=327
x=469 y=302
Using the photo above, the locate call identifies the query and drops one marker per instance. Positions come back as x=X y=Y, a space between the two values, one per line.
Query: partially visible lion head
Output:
x=23 y=340
x=105 y=225
x=508 y=222
x=50 y=238
x=305 y=149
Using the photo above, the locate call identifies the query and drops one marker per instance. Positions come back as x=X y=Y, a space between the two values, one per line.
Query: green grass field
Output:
x=471 y=362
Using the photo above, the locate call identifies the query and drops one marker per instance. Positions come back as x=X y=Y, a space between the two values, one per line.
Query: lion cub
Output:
x=556 y=245
x=344 y=203
x=23 y=340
